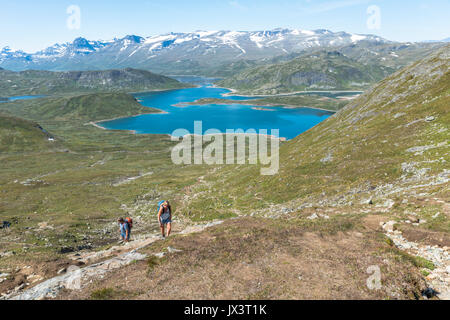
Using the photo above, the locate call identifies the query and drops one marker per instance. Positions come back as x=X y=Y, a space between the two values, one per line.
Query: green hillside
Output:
x=19 y=135
x=323 y=70
x=89 y=107
x=382 y=145
x=33 y=82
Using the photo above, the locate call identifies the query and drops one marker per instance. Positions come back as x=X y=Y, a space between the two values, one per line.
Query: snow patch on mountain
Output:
x=194 y=48
x=357 y=37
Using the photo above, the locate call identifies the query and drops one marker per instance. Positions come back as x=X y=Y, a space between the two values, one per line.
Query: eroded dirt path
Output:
x=76 y=278
x=256 y=258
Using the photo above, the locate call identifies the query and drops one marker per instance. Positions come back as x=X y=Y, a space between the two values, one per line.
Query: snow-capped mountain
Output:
x=177 y=52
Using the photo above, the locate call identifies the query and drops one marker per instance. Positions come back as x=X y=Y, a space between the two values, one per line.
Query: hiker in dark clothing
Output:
x=5 y=225
x=165 y=218
x=124 y=229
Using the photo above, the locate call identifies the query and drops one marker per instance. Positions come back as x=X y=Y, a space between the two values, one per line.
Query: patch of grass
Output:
x=416 y=261
x=103 y=294
x=152 y=262
x=424 y=263
x=425 y=272
x=389 y=241
x=331 y=226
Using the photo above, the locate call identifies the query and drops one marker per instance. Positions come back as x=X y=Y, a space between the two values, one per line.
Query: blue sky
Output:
x=34 y=25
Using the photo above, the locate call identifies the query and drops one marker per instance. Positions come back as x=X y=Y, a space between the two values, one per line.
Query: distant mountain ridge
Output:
x=175 y=52
x=322 y=70
x=350 y=67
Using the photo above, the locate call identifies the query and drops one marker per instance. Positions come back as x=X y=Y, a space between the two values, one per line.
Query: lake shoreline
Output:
x=250 y=103
x=235 y=92
x=97 y=123
x=216 y=98
x=172 y=137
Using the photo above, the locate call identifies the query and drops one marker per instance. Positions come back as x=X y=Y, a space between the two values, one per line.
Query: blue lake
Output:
x=10 y=99
x=290 y=122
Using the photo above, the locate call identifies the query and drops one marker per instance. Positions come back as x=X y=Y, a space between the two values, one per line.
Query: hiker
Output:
x=125 y=229
x=165 y=217
x=5 y=225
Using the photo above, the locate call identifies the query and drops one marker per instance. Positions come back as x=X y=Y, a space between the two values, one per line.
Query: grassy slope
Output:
x=327 y=70
x=367 y=140
x=97 y=106
x=80 y=186
x=34 y=82
x=367 y=144
x=19 y=135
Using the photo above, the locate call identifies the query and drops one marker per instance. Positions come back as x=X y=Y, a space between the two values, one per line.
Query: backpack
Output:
x=129 y=221
x=159 y=205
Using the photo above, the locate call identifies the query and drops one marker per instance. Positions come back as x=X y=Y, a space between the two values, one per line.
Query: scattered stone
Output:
x=7 y=254
x=389 y=203
x=389 y=226
x=430 y=119
x=45 y=225
x=437 y=279
x=313 y=217
x=173 y=250
x=419 y=150
x=327 y=158
x=34 y=278
x=19 y=287
x=160 y=255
